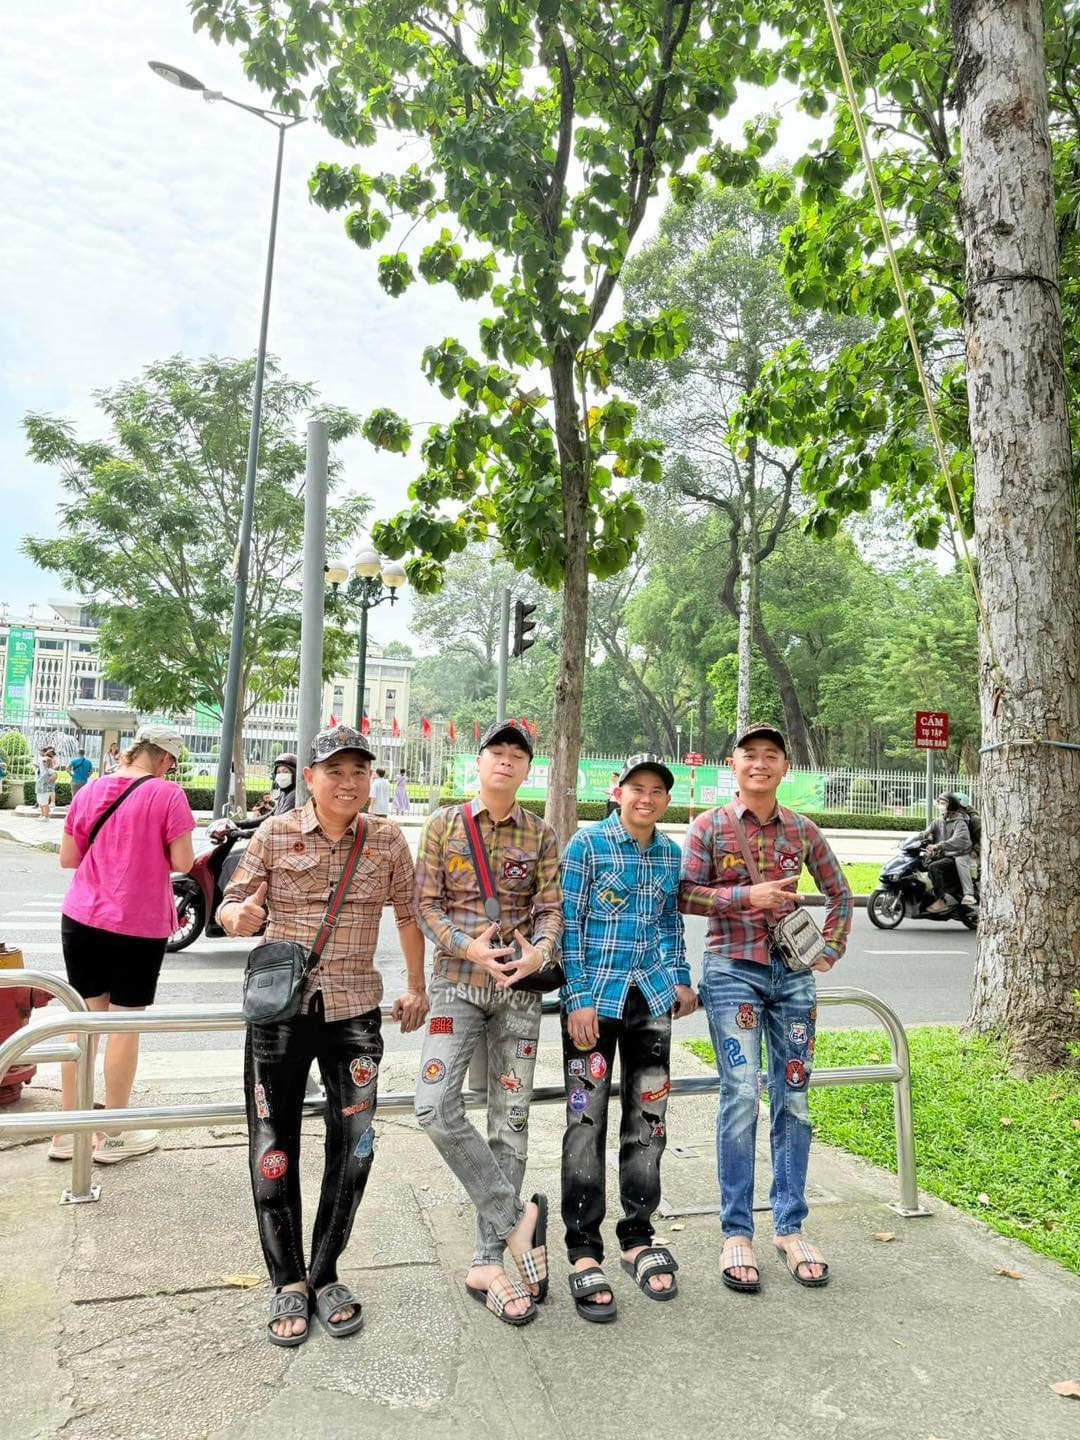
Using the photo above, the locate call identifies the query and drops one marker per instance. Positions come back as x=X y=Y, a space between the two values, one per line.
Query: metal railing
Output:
x=165 y=1018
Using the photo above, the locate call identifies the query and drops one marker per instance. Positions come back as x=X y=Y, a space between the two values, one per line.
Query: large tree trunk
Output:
x=1029 y=940
x=746 y=619
x=239 y=759
x=561 y=808
x=796 y=730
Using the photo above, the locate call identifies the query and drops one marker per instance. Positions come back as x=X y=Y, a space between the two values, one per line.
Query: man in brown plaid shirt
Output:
x=286 y=878
x=477 y=963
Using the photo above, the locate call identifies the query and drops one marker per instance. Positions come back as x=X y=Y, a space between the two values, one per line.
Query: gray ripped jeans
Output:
x=490 y=1170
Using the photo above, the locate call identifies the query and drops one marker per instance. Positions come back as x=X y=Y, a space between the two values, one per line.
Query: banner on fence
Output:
x=17 y=677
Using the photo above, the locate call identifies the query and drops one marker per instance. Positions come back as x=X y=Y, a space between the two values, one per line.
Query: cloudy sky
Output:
x=135 y=227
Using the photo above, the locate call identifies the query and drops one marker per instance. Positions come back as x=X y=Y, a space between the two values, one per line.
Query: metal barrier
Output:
x=164 y=1018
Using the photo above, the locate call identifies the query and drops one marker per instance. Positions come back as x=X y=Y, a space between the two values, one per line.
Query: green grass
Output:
x=861 y=878
x=977 y=1131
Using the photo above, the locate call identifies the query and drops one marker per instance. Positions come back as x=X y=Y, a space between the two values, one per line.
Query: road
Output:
x=922 y=969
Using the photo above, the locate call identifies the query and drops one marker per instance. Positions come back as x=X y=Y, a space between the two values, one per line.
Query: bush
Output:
x=17 y=754
x=63 y=792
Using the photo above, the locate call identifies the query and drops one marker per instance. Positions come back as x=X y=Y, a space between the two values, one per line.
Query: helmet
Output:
x=953 y=800
x=962 y=798
x=287 y=758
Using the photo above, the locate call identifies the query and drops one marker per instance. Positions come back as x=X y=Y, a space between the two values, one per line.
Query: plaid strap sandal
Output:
x=739 y=1255
x=797 y=1252
x=532 y=1264
x=501 y=1292
x=657 y=1260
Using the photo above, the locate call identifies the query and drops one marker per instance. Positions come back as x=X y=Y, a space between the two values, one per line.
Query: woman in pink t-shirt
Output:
x=119 y=910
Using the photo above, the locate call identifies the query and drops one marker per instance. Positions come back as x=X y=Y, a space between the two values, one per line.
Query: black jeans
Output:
x=644 y=1045
x=944 y=877
x=276 y=1063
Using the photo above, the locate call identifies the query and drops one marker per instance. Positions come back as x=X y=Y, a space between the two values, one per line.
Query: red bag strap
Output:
x=481 y=864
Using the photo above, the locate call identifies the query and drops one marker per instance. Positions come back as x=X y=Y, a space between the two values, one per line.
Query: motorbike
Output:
x=198 y=893
x=906 y=891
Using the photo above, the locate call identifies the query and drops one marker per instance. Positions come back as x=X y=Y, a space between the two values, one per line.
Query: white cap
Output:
x=165 y=737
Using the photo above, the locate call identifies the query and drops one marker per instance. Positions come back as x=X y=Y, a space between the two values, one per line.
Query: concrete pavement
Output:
x=127 y=1319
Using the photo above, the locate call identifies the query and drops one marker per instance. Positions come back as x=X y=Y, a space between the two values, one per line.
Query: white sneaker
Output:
x=61 y=1147
x=113 y=1148
x=969 y=900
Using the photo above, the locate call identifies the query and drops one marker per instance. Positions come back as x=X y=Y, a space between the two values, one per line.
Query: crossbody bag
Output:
x=276 y=971
x=540 y=981
x=115 y=805
x=795 y=936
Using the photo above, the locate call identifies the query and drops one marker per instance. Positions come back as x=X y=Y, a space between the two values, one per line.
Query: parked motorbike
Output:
x=906 y=890
x=198 y=893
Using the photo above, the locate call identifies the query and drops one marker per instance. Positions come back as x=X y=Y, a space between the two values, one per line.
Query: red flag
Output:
x=452 y=732
x=425 y=728
x=526 y=727
x=333 y=721
x=476 y=730
x=396 y=731
x=365 y=726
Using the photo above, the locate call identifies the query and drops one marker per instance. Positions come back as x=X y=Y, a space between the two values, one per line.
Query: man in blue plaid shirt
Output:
x=624 y=958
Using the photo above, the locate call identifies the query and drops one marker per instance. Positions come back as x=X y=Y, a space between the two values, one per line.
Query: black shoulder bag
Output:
x=540 y=981
x=276 y=971
x=100 y=821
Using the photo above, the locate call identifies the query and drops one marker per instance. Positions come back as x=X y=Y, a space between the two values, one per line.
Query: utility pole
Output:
x=504 y=650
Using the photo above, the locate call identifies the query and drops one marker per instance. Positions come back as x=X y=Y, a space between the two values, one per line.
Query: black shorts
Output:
x=99 y=962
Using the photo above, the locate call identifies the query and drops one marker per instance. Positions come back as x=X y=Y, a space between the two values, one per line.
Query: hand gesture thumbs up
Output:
x=250 y=916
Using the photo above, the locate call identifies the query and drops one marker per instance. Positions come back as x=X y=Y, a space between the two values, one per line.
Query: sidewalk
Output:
x=124 y=1319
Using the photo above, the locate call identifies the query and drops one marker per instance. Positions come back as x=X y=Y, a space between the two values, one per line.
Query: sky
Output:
x=135 y=223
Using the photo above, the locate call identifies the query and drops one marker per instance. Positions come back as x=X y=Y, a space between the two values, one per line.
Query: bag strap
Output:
x=744 y=845
x=329 y=921
x=481 y=864
x=100 y=821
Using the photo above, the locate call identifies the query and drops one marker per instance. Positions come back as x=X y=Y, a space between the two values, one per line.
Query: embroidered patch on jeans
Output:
x=434 y=1070
x=746 y=1019
x=365 y=1144
x=813 y=1012
x=358 y=1108
x=797 y=1032
x=262 y=1107
x=597 y=1065
x=659 y=1131
x=795 y=1074
x=517 y=1117
x=441 y=1025
x=526 y=1049
x=578 y=1100
x=511 y=1083
x=650 y=1097
x=273 y=1165
x=733 y=1050
x=363 y=1071
x=575 y=1068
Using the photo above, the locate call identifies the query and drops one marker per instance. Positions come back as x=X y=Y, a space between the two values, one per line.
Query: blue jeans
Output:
x=743 y=999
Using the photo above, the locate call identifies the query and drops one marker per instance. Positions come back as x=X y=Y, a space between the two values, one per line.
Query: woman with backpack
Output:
x=123 y=837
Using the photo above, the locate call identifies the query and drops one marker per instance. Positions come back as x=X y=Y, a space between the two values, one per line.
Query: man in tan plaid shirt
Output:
x=286 y=878
x=477 y=963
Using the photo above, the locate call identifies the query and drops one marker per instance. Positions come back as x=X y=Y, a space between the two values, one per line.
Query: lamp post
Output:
x=281 y=123
x=378 y=580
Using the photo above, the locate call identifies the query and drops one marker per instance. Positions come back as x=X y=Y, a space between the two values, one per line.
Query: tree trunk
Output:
x=746 y=617
x=239 y=766
x=1029 y=939
x=561 y=808
x=797 y=732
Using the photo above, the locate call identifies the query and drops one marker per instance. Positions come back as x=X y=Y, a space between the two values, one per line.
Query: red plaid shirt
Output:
x=715 y=881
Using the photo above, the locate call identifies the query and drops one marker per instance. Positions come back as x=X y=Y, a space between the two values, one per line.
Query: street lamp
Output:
x=379 y=580
x=175 y=76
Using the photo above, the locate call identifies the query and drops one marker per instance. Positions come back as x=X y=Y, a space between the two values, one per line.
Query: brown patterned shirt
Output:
x=302 y=868
x=524 y=855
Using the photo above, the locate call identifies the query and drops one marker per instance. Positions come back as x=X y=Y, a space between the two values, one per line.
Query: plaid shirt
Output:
x=715 y=881
x=302 y=868
x=622 y=921
x=524 y=855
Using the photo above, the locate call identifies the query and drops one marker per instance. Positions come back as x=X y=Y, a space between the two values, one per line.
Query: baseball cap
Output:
x=508 y=731
x=645 y=761
x=165 y=737
x=762 y=732
x=336 y=738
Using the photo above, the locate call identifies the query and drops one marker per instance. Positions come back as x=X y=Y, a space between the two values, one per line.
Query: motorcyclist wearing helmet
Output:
x=284 y=782
x=948 y=840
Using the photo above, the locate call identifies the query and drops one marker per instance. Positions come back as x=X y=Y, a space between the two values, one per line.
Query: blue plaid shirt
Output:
x=622 y=925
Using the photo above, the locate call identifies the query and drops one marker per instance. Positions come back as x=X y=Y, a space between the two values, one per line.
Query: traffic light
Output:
x=523 y=627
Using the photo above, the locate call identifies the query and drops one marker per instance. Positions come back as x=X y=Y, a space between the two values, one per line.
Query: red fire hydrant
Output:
x=16 y=1004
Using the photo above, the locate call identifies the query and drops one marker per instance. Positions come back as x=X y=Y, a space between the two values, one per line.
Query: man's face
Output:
x=643 y=798
x=339 y=786
x=759 y=767
x=502 y=767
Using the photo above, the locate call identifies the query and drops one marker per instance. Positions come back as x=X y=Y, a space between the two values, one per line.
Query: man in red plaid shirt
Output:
x=747 y=988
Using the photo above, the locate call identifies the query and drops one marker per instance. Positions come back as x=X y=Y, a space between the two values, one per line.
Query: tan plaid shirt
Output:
x=524 y=855
x=302 y=868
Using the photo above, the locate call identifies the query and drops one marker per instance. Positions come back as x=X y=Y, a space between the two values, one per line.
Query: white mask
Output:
x=283 y=780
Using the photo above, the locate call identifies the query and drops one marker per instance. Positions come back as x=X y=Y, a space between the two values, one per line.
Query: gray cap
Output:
x=334 y=739
x=508 y=731
x=646 y=761
x=762 y=732
x=165 y=737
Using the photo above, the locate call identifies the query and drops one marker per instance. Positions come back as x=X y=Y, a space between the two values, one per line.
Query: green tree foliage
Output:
x=150 y=519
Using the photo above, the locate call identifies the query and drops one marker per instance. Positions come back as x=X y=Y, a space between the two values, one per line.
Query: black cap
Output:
x=762 y=732
x=645 y=761
x=334 y=739
x=508 y=731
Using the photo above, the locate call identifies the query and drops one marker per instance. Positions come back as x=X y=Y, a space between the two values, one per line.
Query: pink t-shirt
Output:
x=122 y=883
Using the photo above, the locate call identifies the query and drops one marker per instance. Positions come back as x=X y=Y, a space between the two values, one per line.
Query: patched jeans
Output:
x=643 y=1042
x=491 y=1170
x=276 y=1062
x=744 y=1000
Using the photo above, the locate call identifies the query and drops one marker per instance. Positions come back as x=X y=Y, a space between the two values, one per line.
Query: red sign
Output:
x=931 y=730
x=693 y=758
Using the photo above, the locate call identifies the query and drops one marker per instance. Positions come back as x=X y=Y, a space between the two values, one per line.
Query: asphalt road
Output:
x=923 y=969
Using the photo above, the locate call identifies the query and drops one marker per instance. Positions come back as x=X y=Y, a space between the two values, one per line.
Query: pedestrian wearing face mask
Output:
x=284 y=783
